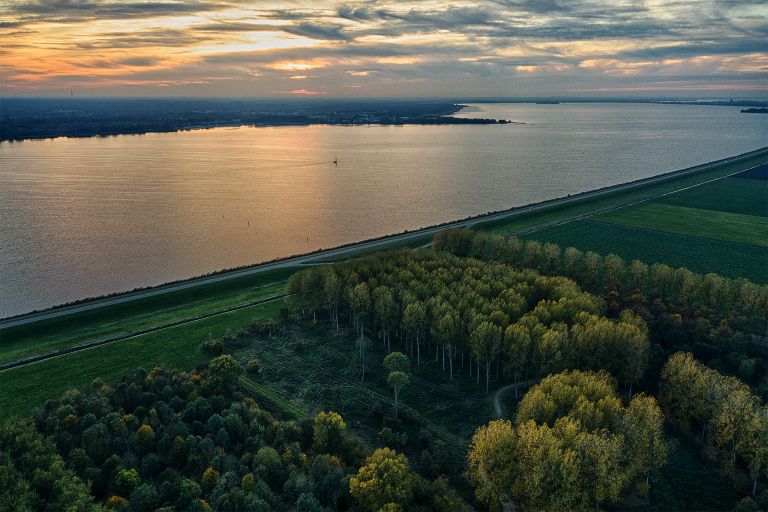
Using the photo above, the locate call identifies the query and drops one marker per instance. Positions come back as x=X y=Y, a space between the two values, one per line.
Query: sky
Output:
x=380 y=48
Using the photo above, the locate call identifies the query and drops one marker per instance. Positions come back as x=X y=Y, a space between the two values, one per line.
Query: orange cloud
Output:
x=304 y=92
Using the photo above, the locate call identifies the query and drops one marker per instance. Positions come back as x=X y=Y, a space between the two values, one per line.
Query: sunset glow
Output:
x=382 y=48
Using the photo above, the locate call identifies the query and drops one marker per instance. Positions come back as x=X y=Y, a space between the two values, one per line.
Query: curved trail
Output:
x=497 y=400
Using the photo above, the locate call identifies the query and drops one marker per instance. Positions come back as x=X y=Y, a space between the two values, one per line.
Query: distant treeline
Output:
x=46 y=118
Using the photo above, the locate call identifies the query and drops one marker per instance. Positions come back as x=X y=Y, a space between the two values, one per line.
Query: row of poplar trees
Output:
x=476 y=317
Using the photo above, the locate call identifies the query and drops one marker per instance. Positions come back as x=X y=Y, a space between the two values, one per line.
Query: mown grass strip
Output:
x=735 y=195
x=273 y=399
x=113 y=339
x=715 y=225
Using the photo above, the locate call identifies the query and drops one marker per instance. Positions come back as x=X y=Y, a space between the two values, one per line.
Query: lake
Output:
x=87 y=217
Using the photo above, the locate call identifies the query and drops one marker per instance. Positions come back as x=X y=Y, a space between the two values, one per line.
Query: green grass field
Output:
x=543 y=217
x=177 y=347
x=720 y=227
x=734 y=195
x=712 y=224
x=58 y=333
x=652 y=246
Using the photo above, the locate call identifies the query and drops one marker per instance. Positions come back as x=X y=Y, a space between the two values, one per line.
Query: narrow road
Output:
x=497 y=400
x=369 y=245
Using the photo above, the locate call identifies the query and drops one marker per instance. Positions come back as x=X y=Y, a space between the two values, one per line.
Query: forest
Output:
x=169 y=440
x=583 y=333
x=611 y=364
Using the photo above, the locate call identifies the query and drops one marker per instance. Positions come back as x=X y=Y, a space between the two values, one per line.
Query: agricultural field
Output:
x=734 y=195
x=719 y=227
x=651 y=246
x=695 y=222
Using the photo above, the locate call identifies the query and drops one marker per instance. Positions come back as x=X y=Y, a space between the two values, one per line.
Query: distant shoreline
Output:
x=44 y=120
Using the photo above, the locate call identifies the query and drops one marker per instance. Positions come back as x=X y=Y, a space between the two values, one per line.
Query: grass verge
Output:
x=59 y=333
x=176 y=347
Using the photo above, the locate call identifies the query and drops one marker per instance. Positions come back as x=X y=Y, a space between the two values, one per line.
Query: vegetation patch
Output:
x=653 y=246
x=748 y=197
x=168 y=440
x=758 y=173
x=716 y=225
x=176 y=347
x=45 y=336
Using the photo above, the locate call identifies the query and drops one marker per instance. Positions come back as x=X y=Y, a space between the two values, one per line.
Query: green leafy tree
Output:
x=574 y=446
x=224 y=372
x=415 y=323
x=328 y=434
x=384 y=478
x=126 y=480
x=397 y=362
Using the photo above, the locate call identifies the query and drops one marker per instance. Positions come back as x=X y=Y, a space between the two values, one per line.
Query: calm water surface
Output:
x=86 y=217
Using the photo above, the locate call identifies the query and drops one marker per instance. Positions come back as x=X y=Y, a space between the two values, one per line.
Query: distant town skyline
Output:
x=373 y=48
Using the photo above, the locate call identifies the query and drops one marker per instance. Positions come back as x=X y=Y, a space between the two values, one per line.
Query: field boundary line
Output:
x=98 y=343
x=586 y=216
x=685 y=235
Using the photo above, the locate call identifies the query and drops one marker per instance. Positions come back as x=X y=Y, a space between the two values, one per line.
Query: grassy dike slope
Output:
x=177 y=347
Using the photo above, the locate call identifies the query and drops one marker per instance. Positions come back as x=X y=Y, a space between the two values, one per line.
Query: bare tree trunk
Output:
x=443 y=351
x=395 y=403
x=450 y=364
x=487 y=374
x=418 y=352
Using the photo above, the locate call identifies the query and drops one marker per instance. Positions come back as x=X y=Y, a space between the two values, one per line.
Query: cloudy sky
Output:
x=375 y=48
